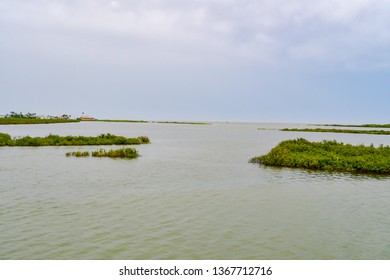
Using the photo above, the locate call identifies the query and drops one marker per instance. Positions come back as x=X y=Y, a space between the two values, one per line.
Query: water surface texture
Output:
x=191 y=195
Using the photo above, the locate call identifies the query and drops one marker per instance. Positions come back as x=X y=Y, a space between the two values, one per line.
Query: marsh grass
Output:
x=5 y=139
x=355 y=131
x=6 y=121
x=128 y=153
x=387 y=125
x=77 y=154
x=328 y=155
x=56 y=140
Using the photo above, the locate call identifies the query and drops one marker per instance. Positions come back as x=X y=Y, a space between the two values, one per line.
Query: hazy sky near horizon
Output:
x=222 y=60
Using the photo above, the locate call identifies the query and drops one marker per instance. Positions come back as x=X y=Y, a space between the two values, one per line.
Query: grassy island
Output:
x=355 y=131
x=328 y=155
x=55 y=140
x=4 y=121
x=386 y=125
x=127 y=153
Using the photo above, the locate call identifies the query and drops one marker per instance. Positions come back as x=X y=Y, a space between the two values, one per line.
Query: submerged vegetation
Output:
x=56 y=140
x=34 y=121
x=380 y=132
x=328 y=155
x=128 y=153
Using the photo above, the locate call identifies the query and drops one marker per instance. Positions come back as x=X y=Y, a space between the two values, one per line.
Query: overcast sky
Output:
x=225 y=60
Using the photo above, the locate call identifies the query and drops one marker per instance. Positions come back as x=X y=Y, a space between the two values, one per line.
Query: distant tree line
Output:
x=29 y=115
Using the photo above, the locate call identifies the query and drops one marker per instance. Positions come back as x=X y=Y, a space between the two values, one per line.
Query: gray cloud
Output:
x=239 y=29
x=240 y=52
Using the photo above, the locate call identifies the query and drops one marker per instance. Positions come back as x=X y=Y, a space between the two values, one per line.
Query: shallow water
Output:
x=191 y=195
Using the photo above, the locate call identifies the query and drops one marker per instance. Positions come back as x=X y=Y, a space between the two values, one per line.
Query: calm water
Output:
x=191 y=195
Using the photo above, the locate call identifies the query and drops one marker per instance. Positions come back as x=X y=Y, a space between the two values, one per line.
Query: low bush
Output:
x=5 y=139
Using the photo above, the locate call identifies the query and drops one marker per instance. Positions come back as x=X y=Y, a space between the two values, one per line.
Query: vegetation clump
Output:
x=5 y=139
x=77 y=154
x=379 y=132
x=328 y=155
x=32 y=118
x=34 y=121
x=386 y=125
x=128 y=153
x=56 y=140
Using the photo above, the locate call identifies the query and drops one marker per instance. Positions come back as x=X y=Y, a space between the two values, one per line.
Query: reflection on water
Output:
x=191 y=195
x=285 y=175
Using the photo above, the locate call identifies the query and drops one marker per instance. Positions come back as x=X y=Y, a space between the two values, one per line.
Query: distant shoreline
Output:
x=356 y=125
x=354 y=131
x=162 y=122
x=16 y=121
x=12 y=121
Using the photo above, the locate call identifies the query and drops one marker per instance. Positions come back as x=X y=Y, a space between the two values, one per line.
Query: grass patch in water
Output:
x=355 y=131
x=77 y=154
x=56 y=140
x=328 y=155
x=128 y=153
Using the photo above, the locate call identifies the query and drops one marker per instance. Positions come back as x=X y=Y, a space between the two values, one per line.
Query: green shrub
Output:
x=5 y=139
